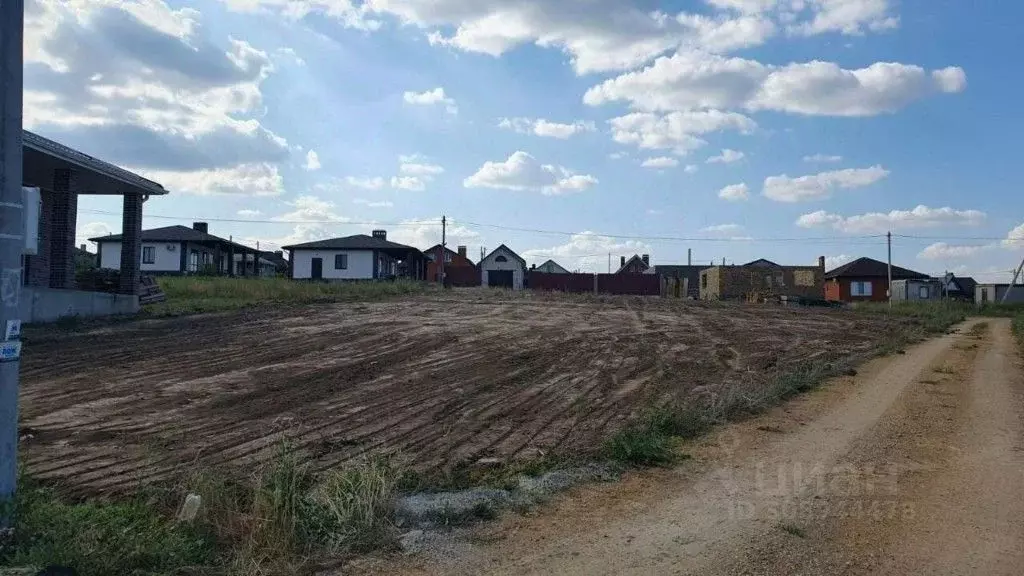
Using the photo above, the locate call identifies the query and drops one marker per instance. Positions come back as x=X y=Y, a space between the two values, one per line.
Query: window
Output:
x=149 y=255
x=447 y=257
x=984 y=294
x=501 y=259
x=923 y=293
x=341 y=261
x=193 y=261
x=860 y=288
x=703 y=280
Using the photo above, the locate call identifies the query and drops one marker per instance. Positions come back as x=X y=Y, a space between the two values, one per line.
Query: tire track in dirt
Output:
x=442 y=381
x=700 y=518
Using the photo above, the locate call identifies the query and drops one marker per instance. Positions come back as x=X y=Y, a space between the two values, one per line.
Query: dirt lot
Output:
x=444 y=380
x=913 y=466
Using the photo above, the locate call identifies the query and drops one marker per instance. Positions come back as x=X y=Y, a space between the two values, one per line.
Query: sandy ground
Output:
x=914 y=466
x=446 y=380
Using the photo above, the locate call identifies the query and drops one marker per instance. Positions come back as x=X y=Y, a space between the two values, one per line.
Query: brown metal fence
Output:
x=460 y=276
x=631 y=284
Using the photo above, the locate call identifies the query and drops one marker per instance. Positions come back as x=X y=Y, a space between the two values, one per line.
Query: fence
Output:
x=462 y=276
x=632 y=284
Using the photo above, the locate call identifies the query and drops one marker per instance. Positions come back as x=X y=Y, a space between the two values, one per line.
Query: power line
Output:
x=248 y=221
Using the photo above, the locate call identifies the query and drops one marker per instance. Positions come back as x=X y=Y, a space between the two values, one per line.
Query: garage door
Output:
x=499 y=278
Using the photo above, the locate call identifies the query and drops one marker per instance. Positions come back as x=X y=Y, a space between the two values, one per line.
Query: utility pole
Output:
x=444 y=249
x=1013 y=282
x=609 y=262
x=888 y=240
x=12 y=241
x=689 y=256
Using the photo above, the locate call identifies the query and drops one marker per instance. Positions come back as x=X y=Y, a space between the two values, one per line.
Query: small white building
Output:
x=503 y=268
x=358 y=257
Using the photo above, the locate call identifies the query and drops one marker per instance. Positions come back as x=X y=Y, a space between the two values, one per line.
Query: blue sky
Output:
x=784 y=129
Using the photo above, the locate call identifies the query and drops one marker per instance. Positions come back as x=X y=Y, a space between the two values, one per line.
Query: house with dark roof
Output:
x=54 y=177
x=551 y=267
x=358 y=257
x=636 y=265
x=181 y=250
x=864 y=280
x=459 y=270
x=959 y=287
x=503 y=268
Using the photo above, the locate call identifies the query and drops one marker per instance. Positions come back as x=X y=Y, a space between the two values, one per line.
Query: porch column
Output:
x=63 y=214
x=131 y=243
x=231 y=260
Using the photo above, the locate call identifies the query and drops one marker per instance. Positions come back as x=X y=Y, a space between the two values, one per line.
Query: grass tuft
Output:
x=793 y=530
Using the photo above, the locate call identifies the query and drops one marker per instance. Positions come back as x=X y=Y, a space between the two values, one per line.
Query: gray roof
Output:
x=510 y=251
x=357 y=242
x=174 y=234
x=33 y=141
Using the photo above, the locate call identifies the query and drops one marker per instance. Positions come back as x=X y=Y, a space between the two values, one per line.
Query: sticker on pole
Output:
x=10 y=350
x=13 y=331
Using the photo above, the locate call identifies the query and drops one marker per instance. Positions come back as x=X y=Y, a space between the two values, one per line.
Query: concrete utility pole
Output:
x=1013 y=282
x=689 y=256
x=444 y=241
x=888 y=291
x=12 y=241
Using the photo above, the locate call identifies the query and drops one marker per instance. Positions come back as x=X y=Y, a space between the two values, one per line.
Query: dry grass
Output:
x=196 y=294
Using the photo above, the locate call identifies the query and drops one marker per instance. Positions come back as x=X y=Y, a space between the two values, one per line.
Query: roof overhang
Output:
x=43 y=156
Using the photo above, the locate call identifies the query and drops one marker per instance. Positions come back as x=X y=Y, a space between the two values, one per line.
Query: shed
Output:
x=503 y=268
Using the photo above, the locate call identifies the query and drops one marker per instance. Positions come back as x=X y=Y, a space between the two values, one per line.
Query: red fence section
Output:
x=631 y=284
x=563 y=282
x=462 y=276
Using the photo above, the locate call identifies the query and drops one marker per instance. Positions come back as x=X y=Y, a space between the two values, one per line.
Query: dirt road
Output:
x=914 y=466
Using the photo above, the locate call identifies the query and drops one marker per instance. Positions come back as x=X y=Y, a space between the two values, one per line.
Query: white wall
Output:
x=512 y=264
x=165 y=261
x=360 y=264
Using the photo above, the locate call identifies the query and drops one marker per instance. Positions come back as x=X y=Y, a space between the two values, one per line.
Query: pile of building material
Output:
x=150 y=291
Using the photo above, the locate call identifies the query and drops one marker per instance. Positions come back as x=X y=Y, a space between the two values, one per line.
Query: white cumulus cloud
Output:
x=726 y=157
x=312 y=161
x=546 y=128
x=734 y=192
x=823 y=158
x=880 y=222
x=523 y=172
x=431 y=98
x=676 y=131
x=820 y=186
x=660 y=162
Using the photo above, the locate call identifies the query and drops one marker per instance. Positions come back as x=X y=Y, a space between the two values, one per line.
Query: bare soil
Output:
x=911 y=467
x=446 y=380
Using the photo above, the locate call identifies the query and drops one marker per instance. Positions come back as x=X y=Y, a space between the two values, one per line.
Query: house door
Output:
x=499 y=278
x=317 y=272
x=984 y=295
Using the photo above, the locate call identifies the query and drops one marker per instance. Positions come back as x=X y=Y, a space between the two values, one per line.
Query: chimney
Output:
x=201 y=227
x=622 y=261
x=382 y=234
x=647 y=259
x=821 y=263
x=82 y=248
x=462 y=251
x=689 y=256
x=279 y=253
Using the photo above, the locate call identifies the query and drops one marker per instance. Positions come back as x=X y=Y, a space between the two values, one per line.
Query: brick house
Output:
x=62 y=174
x=762 y=279
x=175 y=250
x=459 y=269
x=864 y=280
x=635 y=265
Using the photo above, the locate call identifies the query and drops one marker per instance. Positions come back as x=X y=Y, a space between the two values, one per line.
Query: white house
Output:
x=503 y=268
x=551 y=267
x=178 y=250
x=358 y=257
